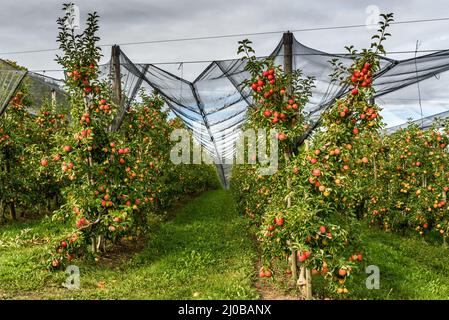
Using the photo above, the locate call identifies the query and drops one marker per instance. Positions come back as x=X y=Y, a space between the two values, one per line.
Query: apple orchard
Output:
x=109 y=185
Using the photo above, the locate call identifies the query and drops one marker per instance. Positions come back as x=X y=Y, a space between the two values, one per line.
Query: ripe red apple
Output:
x=261 y=274
x=81 y=222
x=322 y=229
x=279 y=221
x=316 y=172
x=64 y=244
x=365 y=160
x=313 y=160
x=359 y=257
x=270 y=228
x=355 y=131
x=55 y=263
x=44 y=162
x=267 y=113
x=317 y=152
x=281 y=136
x=355 y=91
x=67 y=148
x=342 y=272
x=268 y=274
x=295 y=170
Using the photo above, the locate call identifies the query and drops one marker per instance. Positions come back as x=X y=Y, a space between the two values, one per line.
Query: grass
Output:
x=410 y=268
x=203 y=253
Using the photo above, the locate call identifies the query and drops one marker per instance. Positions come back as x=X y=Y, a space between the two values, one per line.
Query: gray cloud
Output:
x=29 y=24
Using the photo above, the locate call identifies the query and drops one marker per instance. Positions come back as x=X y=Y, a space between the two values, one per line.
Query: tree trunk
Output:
x=12 y=209
x=94 y=244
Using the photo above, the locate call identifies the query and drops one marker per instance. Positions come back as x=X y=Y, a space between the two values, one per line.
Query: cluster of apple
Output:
x=319 y=158
x=17 y=100
x=66 y=249
x=362 y=77
x=265 y=273
x=4 y=136
x=82 y=222
x=82 y=76
x=103 y=106
x=268 y=76
x=48 y=119
x=277 y=222
x=277 y=107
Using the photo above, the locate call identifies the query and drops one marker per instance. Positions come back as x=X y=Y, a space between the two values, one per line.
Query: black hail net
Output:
x=214 y=105
x=10 y=79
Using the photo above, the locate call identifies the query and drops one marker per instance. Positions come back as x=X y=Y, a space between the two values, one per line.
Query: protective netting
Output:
x=43 y=89
x=214 y=105
x=40 y=87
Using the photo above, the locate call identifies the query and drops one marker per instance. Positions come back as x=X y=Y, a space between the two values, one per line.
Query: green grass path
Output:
x=203 y=253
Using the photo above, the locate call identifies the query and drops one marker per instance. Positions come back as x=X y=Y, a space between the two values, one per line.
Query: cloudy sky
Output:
x=30 y=25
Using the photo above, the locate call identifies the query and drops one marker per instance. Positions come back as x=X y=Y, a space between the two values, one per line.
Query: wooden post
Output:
x=116 y=77
x=288 y=54
x=304 y=280
x=53 y=99
x=287 y=42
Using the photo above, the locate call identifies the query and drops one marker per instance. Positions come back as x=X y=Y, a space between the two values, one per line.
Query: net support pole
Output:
x=287 y=40
x=116 y=79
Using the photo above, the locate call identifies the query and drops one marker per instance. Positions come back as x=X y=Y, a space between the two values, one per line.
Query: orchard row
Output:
x=103 y=185
x=346 y=173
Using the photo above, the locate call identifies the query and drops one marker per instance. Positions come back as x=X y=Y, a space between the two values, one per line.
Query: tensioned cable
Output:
x=239 y=35
x=230 y=59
